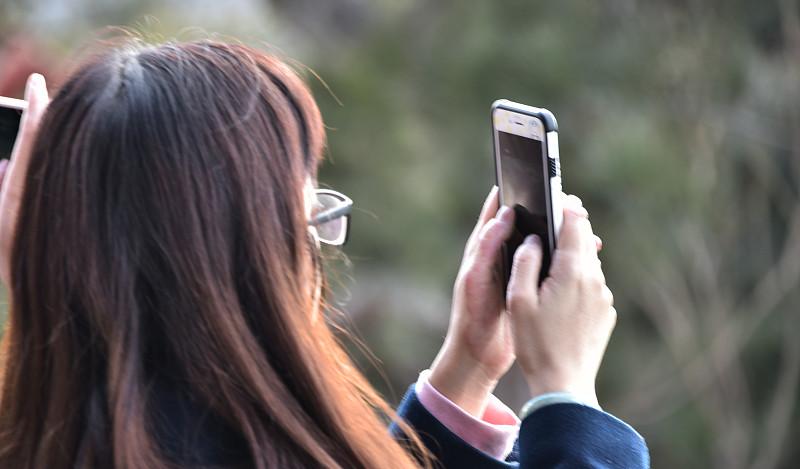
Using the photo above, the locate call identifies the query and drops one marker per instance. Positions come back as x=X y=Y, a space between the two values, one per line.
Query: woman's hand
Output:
x=12 y=173
x=478 y=349
x=561 y=329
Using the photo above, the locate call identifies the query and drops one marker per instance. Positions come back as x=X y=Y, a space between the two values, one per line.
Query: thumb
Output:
x=524 y=281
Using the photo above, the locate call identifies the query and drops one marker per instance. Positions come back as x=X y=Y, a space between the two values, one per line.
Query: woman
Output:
x=159 y=231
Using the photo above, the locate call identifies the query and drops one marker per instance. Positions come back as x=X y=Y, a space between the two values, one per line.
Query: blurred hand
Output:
x=562 y=328
x=12 y=173
x=478 y=349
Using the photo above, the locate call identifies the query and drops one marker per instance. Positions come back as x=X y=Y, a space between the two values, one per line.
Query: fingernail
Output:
x=33 y=80
x=3 y=165
x=504 y=213
x=533 y=240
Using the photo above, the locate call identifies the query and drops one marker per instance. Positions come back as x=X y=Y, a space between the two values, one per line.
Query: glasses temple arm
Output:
x=332 y=214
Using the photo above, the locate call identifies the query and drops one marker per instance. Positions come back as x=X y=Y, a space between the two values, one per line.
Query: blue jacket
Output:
x=555 y=436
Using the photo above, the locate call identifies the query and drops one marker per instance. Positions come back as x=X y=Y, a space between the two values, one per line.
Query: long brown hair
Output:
x=163 y=227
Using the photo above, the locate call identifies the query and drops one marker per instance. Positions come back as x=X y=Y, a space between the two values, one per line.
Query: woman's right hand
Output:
x=561 y=328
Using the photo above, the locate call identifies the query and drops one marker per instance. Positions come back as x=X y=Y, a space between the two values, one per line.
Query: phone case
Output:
x=553 y=189
x=13 y=103
x=11 y=111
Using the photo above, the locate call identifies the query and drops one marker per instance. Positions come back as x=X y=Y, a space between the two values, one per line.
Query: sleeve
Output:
x=575 y=435
x=494 y=433
x=553 y=436
x=447 y=448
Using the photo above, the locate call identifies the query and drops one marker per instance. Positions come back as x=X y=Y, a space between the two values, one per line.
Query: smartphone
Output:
x=528 y=175
x=10 y=115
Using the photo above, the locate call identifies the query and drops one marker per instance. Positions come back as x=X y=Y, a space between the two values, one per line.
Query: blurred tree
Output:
x=680 y=129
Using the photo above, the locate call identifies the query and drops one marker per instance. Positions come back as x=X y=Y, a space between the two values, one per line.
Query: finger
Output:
x=524 y=280
x=38 y=99
x=490 y=206
x=575 y=204
x=489 y=210
x=570 y=240
x=570 y=259
x=598 y=243
x=491 y=238
x=588 y=240
x=572 y=201
x=36 y=94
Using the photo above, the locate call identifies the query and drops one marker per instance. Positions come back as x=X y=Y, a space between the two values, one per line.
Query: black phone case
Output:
x=551 y=169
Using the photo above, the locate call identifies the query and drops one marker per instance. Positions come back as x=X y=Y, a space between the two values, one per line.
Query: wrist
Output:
x=458 y=377
x=542 y=383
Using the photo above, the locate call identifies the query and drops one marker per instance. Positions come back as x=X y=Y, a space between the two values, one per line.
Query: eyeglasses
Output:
x=331 y=216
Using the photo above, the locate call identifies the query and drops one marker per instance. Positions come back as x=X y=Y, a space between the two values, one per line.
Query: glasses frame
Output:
x=343 y=210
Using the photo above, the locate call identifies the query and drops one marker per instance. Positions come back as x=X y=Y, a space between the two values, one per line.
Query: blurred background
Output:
x=680 y=130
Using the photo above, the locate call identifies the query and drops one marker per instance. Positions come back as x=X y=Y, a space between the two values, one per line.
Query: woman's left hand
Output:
x=478 y=349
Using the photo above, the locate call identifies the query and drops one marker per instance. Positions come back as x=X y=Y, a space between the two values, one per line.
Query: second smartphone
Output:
x=10 y=116
x=528 y=174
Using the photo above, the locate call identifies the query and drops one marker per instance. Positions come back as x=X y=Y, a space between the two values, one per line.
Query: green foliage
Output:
x=676 y=132
x=679 y=129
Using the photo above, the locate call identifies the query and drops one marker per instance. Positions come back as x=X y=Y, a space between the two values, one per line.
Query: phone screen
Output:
x=9 y=126
x=523 y=173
